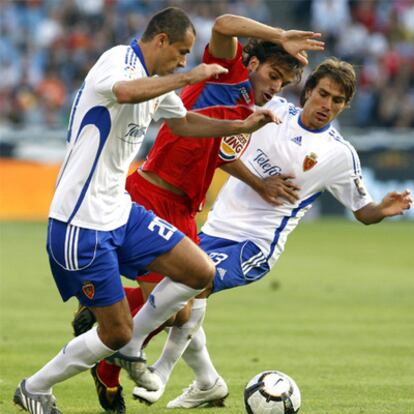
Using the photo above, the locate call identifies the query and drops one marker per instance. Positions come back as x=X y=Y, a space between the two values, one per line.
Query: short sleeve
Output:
x=114 y=66
x=227 y=63
x=279 y=106
x=170 y=106
x=237 y=72
x=346 y=182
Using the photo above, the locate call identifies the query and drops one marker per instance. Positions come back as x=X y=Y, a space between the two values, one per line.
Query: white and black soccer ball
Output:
x=272 y=392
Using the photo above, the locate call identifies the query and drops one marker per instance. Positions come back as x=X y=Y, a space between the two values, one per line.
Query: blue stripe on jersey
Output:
x=286 y=219
x=100 y=117
x=355 y=159
x=72 y=114
x=129 y=50
x=131 y=58
x=135 y=46
x=218 y=94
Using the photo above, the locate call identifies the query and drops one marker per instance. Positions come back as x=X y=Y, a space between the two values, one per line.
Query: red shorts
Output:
x=172 y=207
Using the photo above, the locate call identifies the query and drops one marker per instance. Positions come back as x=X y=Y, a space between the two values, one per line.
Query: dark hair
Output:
x=339 y=71
x=172 y=21
x=274 y=53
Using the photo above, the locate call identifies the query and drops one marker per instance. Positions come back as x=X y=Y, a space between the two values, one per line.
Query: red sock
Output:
x=108 y=373
x=134 y=298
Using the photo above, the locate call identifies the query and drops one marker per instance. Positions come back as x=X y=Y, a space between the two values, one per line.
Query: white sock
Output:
x=198 y=359
x=165 y=300
x=78 y=355
x=178 y=340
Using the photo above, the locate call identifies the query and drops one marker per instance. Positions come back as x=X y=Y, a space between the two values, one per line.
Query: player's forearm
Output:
x=141 y=90
x=370 y=214
x=231 y=25
x=239 y=170
x=199 y=126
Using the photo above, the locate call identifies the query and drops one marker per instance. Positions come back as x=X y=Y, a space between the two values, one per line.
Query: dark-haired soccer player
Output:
x=95 y=231
x=245 y=235
x=175 y=177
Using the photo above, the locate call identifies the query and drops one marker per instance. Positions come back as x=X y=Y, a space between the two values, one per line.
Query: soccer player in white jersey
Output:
x=95 y=232
x=245 y=235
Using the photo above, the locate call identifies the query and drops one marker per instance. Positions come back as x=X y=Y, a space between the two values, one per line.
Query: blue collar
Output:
x=315 y=131
x=135 y=47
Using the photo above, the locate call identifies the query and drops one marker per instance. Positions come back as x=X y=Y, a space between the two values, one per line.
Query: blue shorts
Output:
x=237 y=263
x=88 y=263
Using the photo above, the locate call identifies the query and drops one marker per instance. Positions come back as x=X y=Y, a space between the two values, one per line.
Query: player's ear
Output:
x=162 y=39
x=253 y=64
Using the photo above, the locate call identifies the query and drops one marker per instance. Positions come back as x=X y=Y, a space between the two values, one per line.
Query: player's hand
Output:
x=258 y=119
x=395 y=203
x=205 y=71
x=278 y=189
x=295 y=41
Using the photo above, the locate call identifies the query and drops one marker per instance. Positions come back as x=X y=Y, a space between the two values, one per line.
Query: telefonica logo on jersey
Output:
x=262 y=161
x=135 y=133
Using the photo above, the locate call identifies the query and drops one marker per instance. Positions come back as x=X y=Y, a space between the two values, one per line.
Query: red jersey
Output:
x=189 y=164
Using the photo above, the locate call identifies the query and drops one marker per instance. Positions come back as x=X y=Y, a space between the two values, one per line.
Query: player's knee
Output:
x=118 y=336
x=204 y=275
x=122 y=336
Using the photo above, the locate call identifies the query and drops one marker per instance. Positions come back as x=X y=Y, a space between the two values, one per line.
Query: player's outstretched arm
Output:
x=393 y=204
x=227 y=27
x=295 y=41
x=195 y=125
x=141 y=90
x=276 y=190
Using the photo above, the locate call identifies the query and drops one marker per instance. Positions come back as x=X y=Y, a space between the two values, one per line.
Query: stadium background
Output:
x=47 y=47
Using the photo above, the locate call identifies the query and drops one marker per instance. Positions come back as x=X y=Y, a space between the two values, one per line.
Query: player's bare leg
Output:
x=189 y=271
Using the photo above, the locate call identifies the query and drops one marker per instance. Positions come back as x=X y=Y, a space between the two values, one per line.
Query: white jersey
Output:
x=320 y=160
x=103 y=139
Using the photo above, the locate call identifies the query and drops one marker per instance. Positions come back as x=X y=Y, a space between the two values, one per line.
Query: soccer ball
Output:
x=272 y=392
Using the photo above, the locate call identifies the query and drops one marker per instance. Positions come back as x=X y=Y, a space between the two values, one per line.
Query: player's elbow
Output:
x=365 y=222
x=121 y=93
x=178 y=126
x=362 y=218
x=222 y=23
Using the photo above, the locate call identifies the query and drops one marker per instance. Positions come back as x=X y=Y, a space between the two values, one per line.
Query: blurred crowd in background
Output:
x=48 y=46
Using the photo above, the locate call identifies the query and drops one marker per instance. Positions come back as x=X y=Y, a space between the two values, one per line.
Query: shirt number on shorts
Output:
x=217 y=258
x=165 y=229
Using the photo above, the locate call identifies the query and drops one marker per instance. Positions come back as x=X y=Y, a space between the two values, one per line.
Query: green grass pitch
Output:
x=336 y=313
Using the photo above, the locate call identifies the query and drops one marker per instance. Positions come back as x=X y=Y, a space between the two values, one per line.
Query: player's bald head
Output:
x=172 y=21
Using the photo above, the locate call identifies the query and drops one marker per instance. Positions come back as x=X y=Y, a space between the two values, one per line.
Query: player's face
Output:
x=324 y=103
x=172 y=56
x=267 y=79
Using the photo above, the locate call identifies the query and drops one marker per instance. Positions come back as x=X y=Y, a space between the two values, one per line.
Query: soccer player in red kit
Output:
x=177 y=173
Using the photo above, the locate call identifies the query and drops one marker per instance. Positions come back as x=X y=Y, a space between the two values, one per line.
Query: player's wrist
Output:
x=186 y=78
x=281 y=36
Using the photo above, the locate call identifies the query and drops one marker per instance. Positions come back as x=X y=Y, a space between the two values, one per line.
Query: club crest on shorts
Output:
x=88 y=290
x=310 y=161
